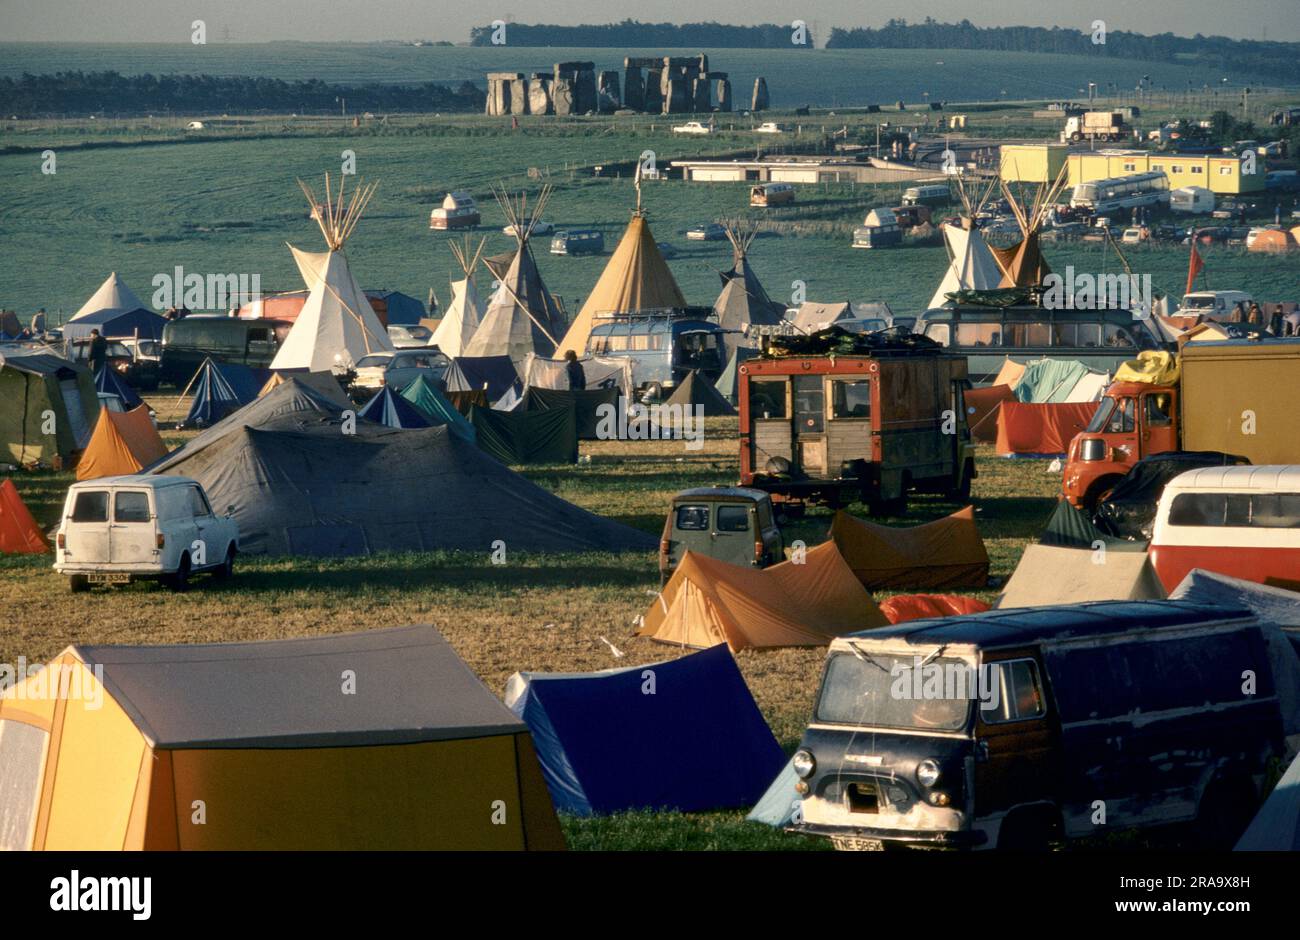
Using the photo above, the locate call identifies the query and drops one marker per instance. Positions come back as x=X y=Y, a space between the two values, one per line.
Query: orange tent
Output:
x=1273 y=240
x=123 y=442
x=19 y=533
x=1010 y=374
x=808 y=603
x=1022 y=264
x=945 y=553
x=1041 y=428
x=904 y=607
x=982 y=405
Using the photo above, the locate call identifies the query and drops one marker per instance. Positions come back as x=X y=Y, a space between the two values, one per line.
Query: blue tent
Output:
x=108 y=382
x=116 y=324
x=399 y=309
x=1276 y=828
x=437 y=410
x=392 y=410
x=221 y=388
x=683 y=734
x=496 y=374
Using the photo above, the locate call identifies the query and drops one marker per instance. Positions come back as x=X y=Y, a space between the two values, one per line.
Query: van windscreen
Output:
x=889 y=691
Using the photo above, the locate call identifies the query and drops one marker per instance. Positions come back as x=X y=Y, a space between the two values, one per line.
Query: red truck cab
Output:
x=1133 y=420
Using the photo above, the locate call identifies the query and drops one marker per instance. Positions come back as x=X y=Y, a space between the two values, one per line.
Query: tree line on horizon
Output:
x=632 y=33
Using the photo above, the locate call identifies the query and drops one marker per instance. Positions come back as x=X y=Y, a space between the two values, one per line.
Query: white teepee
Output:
x=463 y=315
x=971 y=265
x=337 y=325
x=113 y=294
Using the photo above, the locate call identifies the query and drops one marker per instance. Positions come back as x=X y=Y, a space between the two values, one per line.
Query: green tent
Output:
x=728 y=384
x=522 y=437
x=586 y=404
x=1071 y=528
x=697 y=392
x=434 y=405
x=50 y=407
x=1050 y=380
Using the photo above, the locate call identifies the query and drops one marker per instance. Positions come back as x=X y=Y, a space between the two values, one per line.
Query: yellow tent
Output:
x=375 y=740
x=707 y=602
x=123 y=442
x=636 y=278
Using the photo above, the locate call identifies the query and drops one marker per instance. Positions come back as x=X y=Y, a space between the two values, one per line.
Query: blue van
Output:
x=664 y=345
x=584 y=242
x=1025 y=727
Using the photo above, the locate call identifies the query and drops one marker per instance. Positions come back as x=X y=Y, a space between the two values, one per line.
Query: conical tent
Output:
x=108 y=384
x=463 y=315
x=695 y=392
x=971 y=265
x=123 y=443
x=434 y=407
x=728 y=384
x=946 y=553
x=1023 y=264
x=113 y=294
x=119 y=755
x=392 y=410
x=743 y=300
x=636 y=278
x=19 y=533
x=804 y=603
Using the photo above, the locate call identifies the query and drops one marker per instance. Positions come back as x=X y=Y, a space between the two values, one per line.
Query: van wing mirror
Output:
x=230 y=510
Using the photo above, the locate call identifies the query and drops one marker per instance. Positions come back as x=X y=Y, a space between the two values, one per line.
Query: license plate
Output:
x=855 y=844
x=109 y=578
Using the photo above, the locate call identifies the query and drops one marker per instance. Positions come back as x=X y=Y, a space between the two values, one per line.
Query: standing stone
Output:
x=760 y=101
x=654 y=96
x=724 y=94
x=499 y=88
x=562 y=96
x=609 y=100
x=519 y=96
x=701 y=100
x=677 y=99
x=539 y=96
x=633 y=89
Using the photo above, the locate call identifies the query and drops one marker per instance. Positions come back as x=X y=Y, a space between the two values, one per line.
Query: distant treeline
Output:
x=1231 y=55
x=77 y=93
x=633 y=34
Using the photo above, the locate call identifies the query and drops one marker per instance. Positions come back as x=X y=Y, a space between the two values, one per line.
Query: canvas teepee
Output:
x=971 y=263
x=743 y=300
x=462 y=317
x=522 y=316
x=337 y=325
x=1023 y=264
x=113 y=294
x=636 y=278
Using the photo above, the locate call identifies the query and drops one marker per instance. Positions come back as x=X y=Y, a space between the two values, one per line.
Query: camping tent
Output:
x=495 y=375
x=971 y=266
x=811 y=317
x=525 y=437
x=116 y=324
x=1275 y=240
x=636 y=278
x=728 y=384
x=378 y=489
x=904 y=607
x=437 y=410
x=462 y=317
x=34 y=386
x=591 y=407
x=795 y=603
x=1034 y=430
x=1010 y=374
x=261 y=737
x=113 y=294
x=1276 y=827
x=123 y=442
x=388 y=408
x=395 y=308
x=599 y=372
x=1068 y=527
x=1051 y=380
x=697 y=393
x=113 y=391
x=323 y=382
x=19 y=533
x=946 y=553
x=982 y=405
x=743 y=301
x=1053 y=574
x=221 y=388
x=683 y=734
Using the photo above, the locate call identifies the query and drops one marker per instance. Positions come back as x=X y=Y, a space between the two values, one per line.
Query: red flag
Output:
x=1194 y=267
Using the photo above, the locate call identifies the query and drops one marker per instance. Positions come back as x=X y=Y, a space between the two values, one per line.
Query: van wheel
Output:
x=1227 y=807
x=78 y=583
x=180 y=581
x=227 y=568
x=1029 y=831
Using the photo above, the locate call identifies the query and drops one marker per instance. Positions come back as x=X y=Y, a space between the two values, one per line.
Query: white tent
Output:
x=971 y=266
x=113 y=294
x=600 y=372
x=462 y=318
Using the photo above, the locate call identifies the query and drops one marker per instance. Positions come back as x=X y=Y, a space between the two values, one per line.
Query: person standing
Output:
x=98 y=351
x=577 y=378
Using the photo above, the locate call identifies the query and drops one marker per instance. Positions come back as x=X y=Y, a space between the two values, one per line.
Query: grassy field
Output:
x=540 y=612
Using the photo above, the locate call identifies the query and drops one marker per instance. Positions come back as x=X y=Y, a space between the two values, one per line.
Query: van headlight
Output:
x=1092 y=448
x=927 y=772
x=803 y=763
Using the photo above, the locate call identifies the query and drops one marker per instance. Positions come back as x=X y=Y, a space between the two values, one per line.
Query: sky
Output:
x=260 y=20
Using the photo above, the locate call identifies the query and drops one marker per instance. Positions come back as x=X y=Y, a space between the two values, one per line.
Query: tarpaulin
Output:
x=523 y=437
x=590 y=406
x=1152 y=367
x=945 y=553
x=599 y=372
x=1040 y=429
x=904 y=607
x=982 y=410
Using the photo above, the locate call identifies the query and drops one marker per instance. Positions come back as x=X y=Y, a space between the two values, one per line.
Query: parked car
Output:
x=1039 y=716
x=409 y=337
x=708 y=232
x=140 y=371
x=769 y=127
x=734 y=524
x=1135 y=236
x=692 y=127
x=399 y=369
x=131 y=528
x=539 y=228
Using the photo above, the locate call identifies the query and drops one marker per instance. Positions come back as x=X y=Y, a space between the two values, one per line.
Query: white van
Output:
x=937 y=194
x=128 y=528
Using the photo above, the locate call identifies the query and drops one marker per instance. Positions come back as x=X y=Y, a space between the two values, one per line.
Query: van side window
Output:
x=1157 y=410
x=939 y=332
x=1121 y=419
x=1254 y=510
x=693 y=518
x=198 y=502
x=1028 y=334
x=979 y=334
x=258 y=336
x=733 y=518
x=131 y=506
x=90 y=506
x=1116 y=335
x=1019 y=694
x=767 y=399
x=850 y=399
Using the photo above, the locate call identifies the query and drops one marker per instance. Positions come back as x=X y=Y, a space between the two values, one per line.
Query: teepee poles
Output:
x=338 y=216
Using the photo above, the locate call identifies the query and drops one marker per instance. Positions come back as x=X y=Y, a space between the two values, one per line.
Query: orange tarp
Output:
x=1041 y=428
x=904 y=607
x=19 y=533
x=945 y=553
x=1273 y=240
x=707 y=602
x=123 y=442
x=982 y=410
x=1010 y=374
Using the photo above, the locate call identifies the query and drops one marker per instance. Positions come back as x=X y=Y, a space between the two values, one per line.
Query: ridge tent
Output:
x=743 y=301
x=1068 y=527
x=971 y=265
x=1040 y=430
x=464 y=401
x=1276 y=827
x=1053 y=574
x=259 y=732
x=777 y=806
x=525 y=437
x=113 y=391
x=591 y=407
x=32 y=386
x=300 y=486
x=696 y=392
x=1010 y=374
x=221 y=388
x=904 y=607
x=323 y=382
x=113 y=294
x=946 y=553
x=115 y=324
x=391 y=410
x=636 y=278
x=123 y=443
x=982 y=406
x=437 y=410
x=493 y=375
x=1274 y=240
x=698 y=743
x=19 y=533
x=708 y=601
x=728 y=383
x=1050 y=380
x=395 y=308
x=599 y=371
x=1090 y=387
